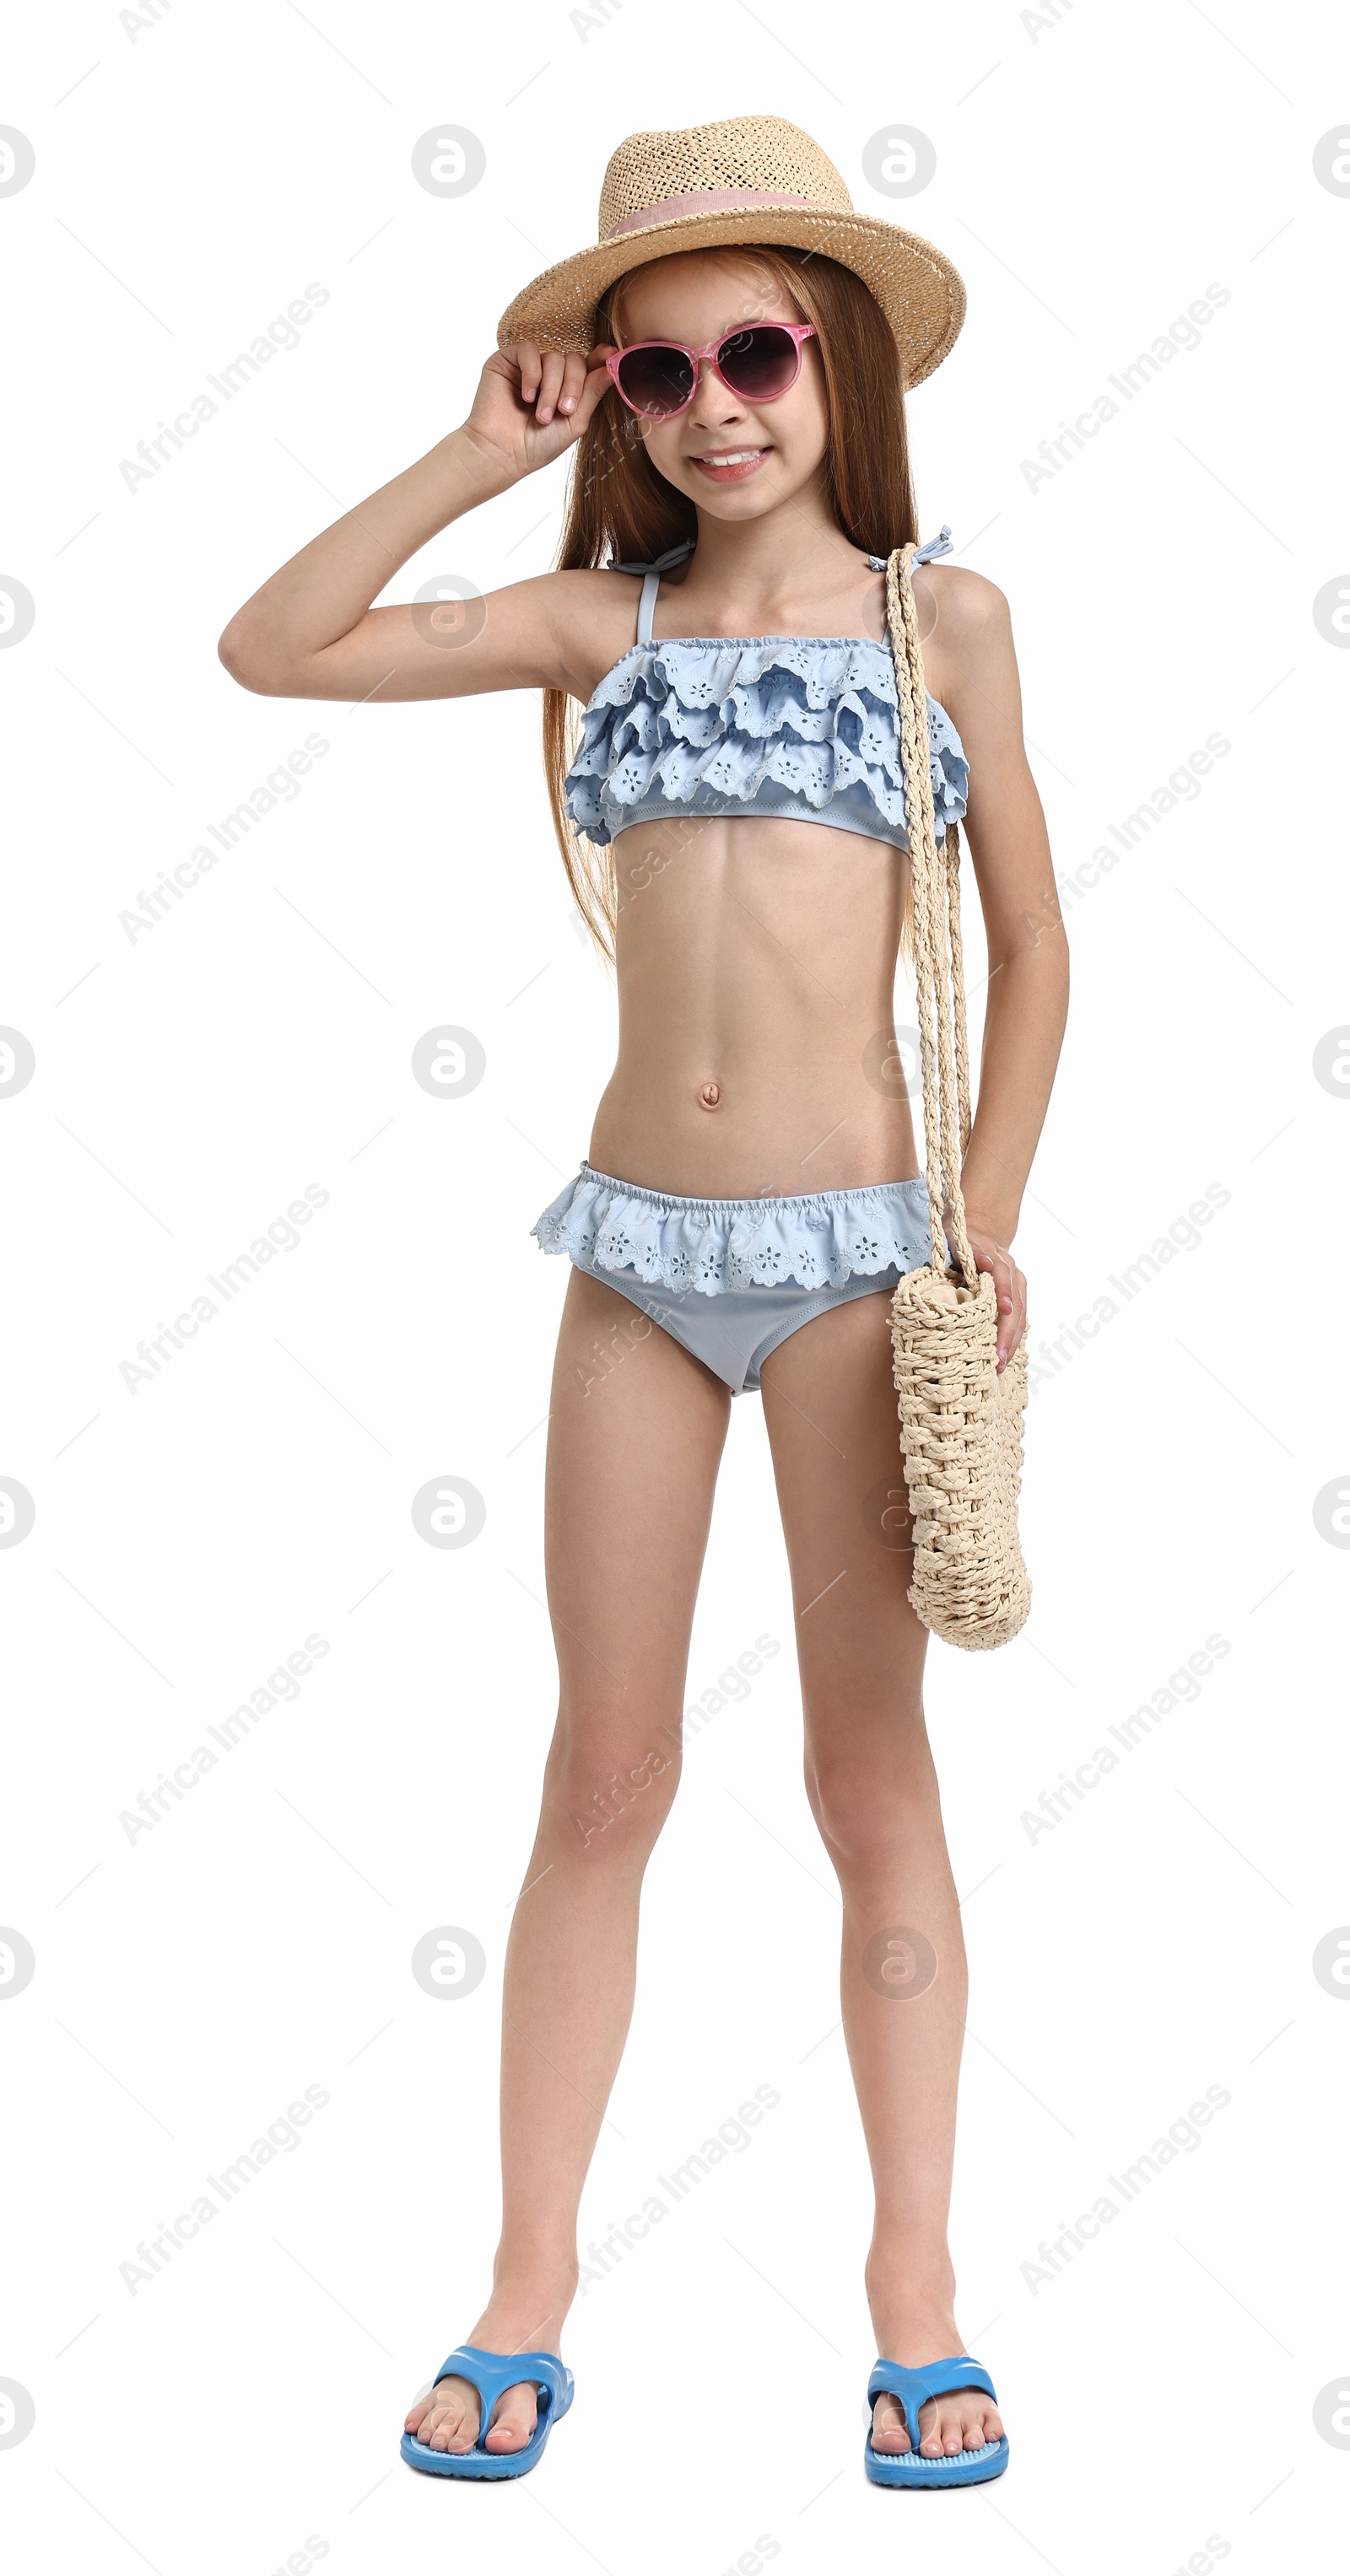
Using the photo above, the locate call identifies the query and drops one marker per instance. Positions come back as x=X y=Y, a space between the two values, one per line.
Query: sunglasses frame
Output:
x=795 y=331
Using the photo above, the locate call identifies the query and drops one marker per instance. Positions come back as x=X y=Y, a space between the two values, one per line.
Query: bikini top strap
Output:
x=941 y=544
x=651 y=582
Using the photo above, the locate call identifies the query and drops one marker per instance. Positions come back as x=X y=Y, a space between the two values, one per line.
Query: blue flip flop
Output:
x=912 y=2387
x=491 y=2373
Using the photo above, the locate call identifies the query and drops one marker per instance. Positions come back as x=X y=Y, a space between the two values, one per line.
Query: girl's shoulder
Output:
x=969 y=659
x=593 y=616
x=967 y=598
x=967 y=642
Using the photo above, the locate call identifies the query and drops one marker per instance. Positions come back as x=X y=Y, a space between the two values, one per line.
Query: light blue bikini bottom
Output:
x=731 y=1278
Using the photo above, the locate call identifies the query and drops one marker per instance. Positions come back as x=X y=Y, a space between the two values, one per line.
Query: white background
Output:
x=1095 y=173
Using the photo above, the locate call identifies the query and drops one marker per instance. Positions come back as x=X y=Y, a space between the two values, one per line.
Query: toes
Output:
x=450 y=2431
x=513 y=2420
x=948 y=2425
x=445 y=2421
x=889 y=2429
x=955 y=2415
x=941 y=2433
x=957 y=2427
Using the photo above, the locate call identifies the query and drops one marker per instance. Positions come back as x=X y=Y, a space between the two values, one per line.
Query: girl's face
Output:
x=733 y=460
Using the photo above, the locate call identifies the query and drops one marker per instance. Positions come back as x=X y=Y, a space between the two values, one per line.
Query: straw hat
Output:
x=752 y=179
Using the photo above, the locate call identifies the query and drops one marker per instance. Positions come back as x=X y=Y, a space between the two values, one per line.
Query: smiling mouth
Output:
x=730 y=460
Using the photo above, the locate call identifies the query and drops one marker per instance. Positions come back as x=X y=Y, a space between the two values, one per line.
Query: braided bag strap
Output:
x=951 y=849
x=944 y=1045
x=960 y=1418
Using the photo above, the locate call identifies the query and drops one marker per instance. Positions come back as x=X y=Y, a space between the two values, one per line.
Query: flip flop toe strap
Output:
x=492 y=2373
x=915 y=2387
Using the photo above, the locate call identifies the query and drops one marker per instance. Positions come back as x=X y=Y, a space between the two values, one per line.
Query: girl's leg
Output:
x=636 y=1429
x=829 y=1403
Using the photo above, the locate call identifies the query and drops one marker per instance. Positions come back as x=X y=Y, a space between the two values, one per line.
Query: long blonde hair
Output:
x=619 y=505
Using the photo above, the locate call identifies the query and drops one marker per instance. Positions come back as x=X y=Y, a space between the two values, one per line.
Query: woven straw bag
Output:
x=960 y=1422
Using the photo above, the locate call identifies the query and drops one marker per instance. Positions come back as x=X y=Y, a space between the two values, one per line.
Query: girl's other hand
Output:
x=532 y=404
x=1011 y=1286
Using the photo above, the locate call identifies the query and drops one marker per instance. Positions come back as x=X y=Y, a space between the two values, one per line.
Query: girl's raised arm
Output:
x=310 y=632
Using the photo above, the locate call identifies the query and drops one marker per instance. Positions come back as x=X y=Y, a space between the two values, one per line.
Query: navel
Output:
x=710 y=1095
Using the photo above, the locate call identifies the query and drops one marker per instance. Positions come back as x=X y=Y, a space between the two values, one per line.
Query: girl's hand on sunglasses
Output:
x=532 y=405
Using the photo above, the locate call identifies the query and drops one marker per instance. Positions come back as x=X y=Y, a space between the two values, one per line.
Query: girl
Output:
x=728 y=365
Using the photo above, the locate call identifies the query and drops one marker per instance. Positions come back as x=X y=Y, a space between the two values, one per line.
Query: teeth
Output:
x=733 y=456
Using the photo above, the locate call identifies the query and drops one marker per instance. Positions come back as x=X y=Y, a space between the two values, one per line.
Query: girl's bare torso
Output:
x=756 y=962
x=756 y=959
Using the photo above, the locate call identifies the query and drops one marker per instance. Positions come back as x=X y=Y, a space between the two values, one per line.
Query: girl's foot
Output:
x=447 y=2418
x=962 y=2420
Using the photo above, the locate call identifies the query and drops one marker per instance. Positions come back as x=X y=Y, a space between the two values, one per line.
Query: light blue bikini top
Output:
x=800 y=725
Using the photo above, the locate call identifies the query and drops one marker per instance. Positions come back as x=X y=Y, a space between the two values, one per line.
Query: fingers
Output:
x=560 y=387
x=594 y=388
x=1012 y=1325
x=574 y=381
x=541 y=376
x=1011 y=1289
x=551 y=374
x=552 y=381
x=564 y=375
x=527 y=358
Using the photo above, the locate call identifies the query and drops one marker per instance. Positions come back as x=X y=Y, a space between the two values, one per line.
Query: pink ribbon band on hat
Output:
x=708 y=201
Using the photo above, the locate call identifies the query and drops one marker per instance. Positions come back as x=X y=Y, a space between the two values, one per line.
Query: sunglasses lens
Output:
x=656 y=381
x=761 y=363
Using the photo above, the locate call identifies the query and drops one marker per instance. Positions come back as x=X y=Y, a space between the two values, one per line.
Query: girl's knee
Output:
x=610 y=1792
x=870 y=1811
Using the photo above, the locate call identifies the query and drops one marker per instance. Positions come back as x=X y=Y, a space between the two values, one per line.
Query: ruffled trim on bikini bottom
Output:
x=709 y=1245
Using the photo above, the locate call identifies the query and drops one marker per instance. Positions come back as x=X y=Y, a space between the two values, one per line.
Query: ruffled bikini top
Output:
x=799 y=725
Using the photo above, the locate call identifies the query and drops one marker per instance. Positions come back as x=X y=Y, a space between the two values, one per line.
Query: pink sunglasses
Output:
x=658 y=378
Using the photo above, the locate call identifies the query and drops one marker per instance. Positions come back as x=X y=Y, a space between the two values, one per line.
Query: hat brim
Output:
x=920 y=292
